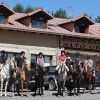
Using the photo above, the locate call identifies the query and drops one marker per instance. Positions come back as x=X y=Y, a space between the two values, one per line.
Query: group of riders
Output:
x=63 y=58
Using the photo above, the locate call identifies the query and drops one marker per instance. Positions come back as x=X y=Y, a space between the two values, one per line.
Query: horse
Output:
x=77 y=75
x=39 y=79
x=4 y=77
x=24 y=76
x=13 y=76
x=69 y=82
x=61 y=79
x=89 y=78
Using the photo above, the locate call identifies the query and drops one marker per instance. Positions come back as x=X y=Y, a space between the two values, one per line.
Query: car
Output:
x=49 y=79
x=97 y=79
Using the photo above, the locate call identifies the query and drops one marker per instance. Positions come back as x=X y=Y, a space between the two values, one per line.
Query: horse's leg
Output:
x=6 y=87
x=41 y=87
x=64 y=87
x=90 y=85
x=78 y=87
x=17 y=89
x=59 y=87
x=14 y=89
x=21 y=87
x=27 y=87
x=1 y=87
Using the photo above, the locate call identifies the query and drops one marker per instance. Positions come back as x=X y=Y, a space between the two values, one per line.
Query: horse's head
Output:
x=61 y=68
x=26 y=64
x=12 y=64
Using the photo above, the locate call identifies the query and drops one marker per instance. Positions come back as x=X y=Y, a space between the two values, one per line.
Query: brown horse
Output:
x=89 y=78
x=77 y=74
x=24 y=76
x=13 y=74
x=39 y=79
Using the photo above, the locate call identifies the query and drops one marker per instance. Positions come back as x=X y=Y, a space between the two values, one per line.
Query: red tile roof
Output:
x=3 y=5
x=53 y=28
x=60 y=21
x=34 y=12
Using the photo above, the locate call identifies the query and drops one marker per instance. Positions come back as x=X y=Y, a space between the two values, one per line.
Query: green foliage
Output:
x=19 y=8
x=61 y=13
x=97 y=19
x=29 y=9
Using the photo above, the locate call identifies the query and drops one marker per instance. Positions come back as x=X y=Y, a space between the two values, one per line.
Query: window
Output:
x=47 y=60
x=33 y=60
x=77 y=29
x=80 y=29
x=2 y=19
x=38 y=23
x=12 y=54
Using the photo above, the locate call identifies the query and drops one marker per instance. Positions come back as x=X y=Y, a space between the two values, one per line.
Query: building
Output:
x=38 y=31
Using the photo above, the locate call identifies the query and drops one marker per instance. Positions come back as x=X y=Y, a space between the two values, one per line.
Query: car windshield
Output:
x=51 y=68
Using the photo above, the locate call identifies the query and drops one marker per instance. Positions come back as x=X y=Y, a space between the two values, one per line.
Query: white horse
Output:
x=4 y=76
x=62 y=77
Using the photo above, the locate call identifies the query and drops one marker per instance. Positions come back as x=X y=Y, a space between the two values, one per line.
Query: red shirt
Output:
x=62 y=58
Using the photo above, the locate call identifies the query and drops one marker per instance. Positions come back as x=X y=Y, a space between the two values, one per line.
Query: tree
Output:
x=19 y=8
x=29 y=9
x=61 y=13
x=97 y=19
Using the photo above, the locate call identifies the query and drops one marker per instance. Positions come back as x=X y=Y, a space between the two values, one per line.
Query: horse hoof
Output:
x=78 y=94
x=21 y=95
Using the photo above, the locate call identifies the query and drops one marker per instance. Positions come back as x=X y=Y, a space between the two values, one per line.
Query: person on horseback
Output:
x=3 y=57
x=20 y=62
x=89 y=62
x=62 y=60
x=40 y=60
x=39 y=73
x=77 y=58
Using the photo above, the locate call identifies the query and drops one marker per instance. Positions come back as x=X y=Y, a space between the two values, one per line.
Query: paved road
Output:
x=48 y=95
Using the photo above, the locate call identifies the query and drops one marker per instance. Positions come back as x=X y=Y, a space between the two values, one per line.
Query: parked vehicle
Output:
x=49 y=79
x=97 y=81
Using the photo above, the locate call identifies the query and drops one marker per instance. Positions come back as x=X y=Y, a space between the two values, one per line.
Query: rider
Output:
x=40 y=60
x=89 y=62
x=20 y=62
x=77 y=58
x=62 y=60
x=3 y=57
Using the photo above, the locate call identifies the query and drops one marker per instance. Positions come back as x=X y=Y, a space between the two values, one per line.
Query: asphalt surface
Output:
x=51 y=95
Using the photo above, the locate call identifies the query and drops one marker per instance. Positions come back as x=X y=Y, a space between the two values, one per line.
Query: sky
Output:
x=73 y=7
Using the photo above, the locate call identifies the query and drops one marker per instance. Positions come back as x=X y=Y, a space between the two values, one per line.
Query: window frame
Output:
x=38 y=23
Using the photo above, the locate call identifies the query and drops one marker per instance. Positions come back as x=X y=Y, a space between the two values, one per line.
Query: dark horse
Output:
x=77 y=74
x=39 y=79
x=70 y=82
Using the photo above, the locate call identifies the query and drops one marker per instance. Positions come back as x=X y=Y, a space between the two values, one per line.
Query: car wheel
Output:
x=46 y=87
x=52 y=85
